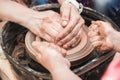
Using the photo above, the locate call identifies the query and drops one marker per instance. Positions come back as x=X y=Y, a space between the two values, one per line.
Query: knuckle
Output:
x=73 y=34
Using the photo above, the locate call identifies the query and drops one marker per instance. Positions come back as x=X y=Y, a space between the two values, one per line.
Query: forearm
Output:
x=15 y=12
x=64 y=73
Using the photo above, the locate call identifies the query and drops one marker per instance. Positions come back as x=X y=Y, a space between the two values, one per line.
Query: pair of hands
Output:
x=100 y=37
x=63 y=28
x=50 y=55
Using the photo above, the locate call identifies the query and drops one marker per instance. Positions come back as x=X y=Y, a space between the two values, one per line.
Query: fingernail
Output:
x=64 y=23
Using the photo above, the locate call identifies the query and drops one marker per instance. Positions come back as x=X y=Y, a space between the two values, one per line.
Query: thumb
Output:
x=68 y=63
x=65 y=14
x=37 y=47
x=106 y=27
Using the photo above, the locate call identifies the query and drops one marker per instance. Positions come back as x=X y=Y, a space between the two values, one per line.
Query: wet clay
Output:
x=82 y=49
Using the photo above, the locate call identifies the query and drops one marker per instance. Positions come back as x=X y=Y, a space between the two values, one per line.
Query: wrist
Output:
x=58 y=70
x=78 y=6
x=114 y=37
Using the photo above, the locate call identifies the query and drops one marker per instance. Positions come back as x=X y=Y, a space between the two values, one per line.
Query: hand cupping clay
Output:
x=81 y=50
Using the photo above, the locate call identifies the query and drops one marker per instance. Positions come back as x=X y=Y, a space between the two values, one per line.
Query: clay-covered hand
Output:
x=72 y=23
x=45 y=24
x=50 y=55
x=100 y=35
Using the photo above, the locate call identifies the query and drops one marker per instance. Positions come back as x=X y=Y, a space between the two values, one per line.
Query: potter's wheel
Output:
x=82 y=50
x=85 y=62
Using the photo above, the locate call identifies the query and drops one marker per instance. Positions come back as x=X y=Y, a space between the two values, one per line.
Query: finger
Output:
x=74 y=40
x=95 y=38
x=62 y=51
x=37 y=39
x=47 y=37
x=97 y=44
x=36 y=45
x=67 y=62
x=56 y=17
x=65 y=14
x=77 y=42
x=57 y=27
x=93 y=27
x=54 y=28
x=97 y=23
x=105 y=47
x=73 y=21
x=92 y=33
x=72 y=34
x=49 y=30
x=68 y=45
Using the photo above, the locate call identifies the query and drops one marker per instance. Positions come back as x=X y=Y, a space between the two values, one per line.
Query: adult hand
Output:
x=72 y=23
x=100 y=35
x=45 y=24
x=50 y=55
